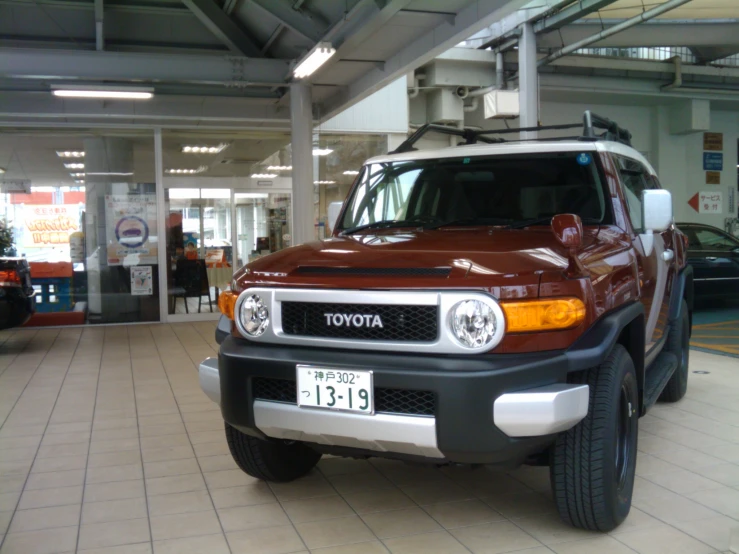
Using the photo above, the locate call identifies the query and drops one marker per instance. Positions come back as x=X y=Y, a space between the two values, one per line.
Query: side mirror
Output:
x=567 y=229
x=656 y=210
x=334 y=208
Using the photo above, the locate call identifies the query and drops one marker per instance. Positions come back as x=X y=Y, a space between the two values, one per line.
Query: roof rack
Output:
x=591 y=121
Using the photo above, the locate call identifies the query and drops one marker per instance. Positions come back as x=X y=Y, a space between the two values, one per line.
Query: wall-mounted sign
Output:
x=713 y=161
x=15 y=185
x=130 y=220
x=49 y=225
x=713 y=141
x=142 y=283
x=707 y=202
x=264 y=183
x=713 y=177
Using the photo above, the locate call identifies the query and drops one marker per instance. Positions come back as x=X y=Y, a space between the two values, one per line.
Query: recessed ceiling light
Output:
x=77 y=174
x=110 y=173
x=191 y=149
x=318 y=56
x=182 y=171
x=322 y=151
x=74 y=166
x=83 y=91
x=280 y=167
x=264 y=175
x=70 y=154
x=79 y=181
x=324 y=182
x=351 y=172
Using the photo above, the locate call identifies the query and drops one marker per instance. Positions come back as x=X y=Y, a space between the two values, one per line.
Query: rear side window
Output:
x=635 y=180
x=711 y=240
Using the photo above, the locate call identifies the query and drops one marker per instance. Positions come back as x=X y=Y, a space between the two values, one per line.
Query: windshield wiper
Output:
x=377 y=225
x=469 y=221
x=540 y=220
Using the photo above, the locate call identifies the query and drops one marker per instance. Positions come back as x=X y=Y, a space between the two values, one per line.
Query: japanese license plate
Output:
x=335 y=389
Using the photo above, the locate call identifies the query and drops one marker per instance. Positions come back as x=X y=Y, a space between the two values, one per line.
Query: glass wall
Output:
x=82 y=206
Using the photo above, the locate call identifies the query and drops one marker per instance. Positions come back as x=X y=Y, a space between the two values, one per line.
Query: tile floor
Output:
x=107 y=445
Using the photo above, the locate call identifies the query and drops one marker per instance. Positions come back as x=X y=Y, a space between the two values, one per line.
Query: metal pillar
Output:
x=528 y=81
x=301 y=122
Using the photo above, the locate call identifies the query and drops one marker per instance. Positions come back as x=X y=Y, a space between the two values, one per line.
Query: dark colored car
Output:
x=714 y=256
x=497 y=304
x=17 y=302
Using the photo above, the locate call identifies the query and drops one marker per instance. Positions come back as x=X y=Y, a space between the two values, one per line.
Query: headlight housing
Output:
x=253 y=316
x=475 y=324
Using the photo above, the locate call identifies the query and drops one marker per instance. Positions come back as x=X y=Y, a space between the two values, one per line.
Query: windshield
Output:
x=493 y=190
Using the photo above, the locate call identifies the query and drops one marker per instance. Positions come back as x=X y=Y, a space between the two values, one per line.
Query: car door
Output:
x=714 y=256
x=656 y=268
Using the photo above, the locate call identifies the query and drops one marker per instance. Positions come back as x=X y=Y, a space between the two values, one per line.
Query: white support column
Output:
x=528 y=81
x=161 y=227
x=301 y=122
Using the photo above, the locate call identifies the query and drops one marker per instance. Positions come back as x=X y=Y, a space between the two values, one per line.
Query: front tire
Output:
x=678 y=342
x=593 y=464
x=275 y=461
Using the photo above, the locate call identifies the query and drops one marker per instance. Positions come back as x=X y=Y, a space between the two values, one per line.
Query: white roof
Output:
x=506 y=148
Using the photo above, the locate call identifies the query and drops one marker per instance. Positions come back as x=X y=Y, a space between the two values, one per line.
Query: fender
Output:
x=682 y=288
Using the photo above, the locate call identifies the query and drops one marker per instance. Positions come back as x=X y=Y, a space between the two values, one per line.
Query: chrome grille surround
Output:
x=445 y=342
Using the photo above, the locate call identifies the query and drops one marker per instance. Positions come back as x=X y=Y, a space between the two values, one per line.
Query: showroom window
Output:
x=82 y=207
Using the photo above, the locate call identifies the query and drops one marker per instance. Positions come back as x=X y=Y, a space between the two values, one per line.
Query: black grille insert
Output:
x=389 y=401
x=398 y=323
x=375 y=271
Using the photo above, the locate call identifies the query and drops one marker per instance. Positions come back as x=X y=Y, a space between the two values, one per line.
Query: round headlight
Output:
x=254 y=316
x=473 y=323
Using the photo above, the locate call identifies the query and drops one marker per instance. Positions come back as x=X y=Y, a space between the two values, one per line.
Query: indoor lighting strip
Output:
x=318 y=56
x=77 y=175
x=74 y=166
x=280 y=167
x=190 y=149
x=263 y=175
x=322 y=151
x=84 y=91
x=324 y=182
x=186 y=171
x=70 y=154
x=351 y=172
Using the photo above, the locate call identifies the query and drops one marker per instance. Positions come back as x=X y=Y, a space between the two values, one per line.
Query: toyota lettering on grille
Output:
x=353 y=320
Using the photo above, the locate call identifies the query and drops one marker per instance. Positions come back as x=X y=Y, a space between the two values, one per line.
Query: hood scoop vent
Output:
x=374 y=271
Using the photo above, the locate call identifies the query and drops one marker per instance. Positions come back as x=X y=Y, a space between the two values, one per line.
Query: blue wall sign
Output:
x=713 y=161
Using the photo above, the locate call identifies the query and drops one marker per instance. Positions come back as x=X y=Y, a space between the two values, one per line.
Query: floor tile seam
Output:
x=710 y=406
x=30 y=378
x=647 y=477
x=664 y=455
x=151 y=337
x=89 y=446
x=710 y=507
x=138 y=430
x=710 y=419
x=15 y=356
x=702 y=433
x=33 y=461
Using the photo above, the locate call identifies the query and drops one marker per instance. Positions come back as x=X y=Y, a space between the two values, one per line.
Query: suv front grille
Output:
x=400 y=323
x=388 y=401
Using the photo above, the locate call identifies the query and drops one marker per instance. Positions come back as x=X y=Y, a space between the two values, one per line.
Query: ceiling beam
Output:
x=303 y=22
x=471 y=19
x=223 y=27
x=49 y=64
x=710 y=54
x=570 y=14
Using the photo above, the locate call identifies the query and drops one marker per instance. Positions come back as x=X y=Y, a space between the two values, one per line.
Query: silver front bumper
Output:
x=534 y=412
x=541 y=411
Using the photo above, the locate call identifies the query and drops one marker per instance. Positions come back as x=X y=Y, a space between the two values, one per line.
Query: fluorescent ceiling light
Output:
x=83 y=91
x=324 y=182
x=182 y=171
x=74 y=166
x=2 y=170
x=322 y=151
x=351 y=172
x=111 y=173
x=79 y=181
x=77 y=174
x=215 y=193
x=251 y=195
x=70 y=154
x=280 y=167
x=318 y=56
x=264 y=175
x=205 y=149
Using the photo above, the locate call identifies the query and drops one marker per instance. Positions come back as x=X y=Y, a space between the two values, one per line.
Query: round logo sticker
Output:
x=584 y=158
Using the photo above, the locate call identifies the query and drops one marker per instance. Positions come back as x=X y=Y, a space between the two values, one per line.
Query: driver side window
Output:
x=635 y=179
x=710 y=240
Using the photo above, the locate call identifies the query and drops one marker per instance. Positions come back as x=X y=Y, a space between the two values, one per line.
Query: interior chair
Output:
x=191 y=281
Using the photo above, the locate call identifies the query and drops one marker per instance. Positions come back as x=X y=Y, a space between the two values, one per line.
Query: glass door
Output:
x=199 y=250
x=262 y=223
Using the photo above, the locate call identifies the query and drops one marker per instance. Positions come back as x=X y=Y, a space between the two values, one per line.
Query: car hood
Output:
x=475 y=257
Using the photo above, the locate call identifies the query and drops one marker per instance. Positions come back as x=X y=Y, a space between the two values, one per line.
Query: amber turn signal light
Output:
x=543 y=315
x=227 y=303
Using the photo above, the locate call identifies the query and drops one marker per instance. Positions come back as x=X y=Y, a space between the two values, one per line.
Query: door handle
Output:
x=667 y=255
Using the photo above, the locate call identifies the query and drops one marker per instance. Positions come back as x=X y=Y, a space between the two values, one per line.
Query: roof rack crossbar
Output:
x=591 y=121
